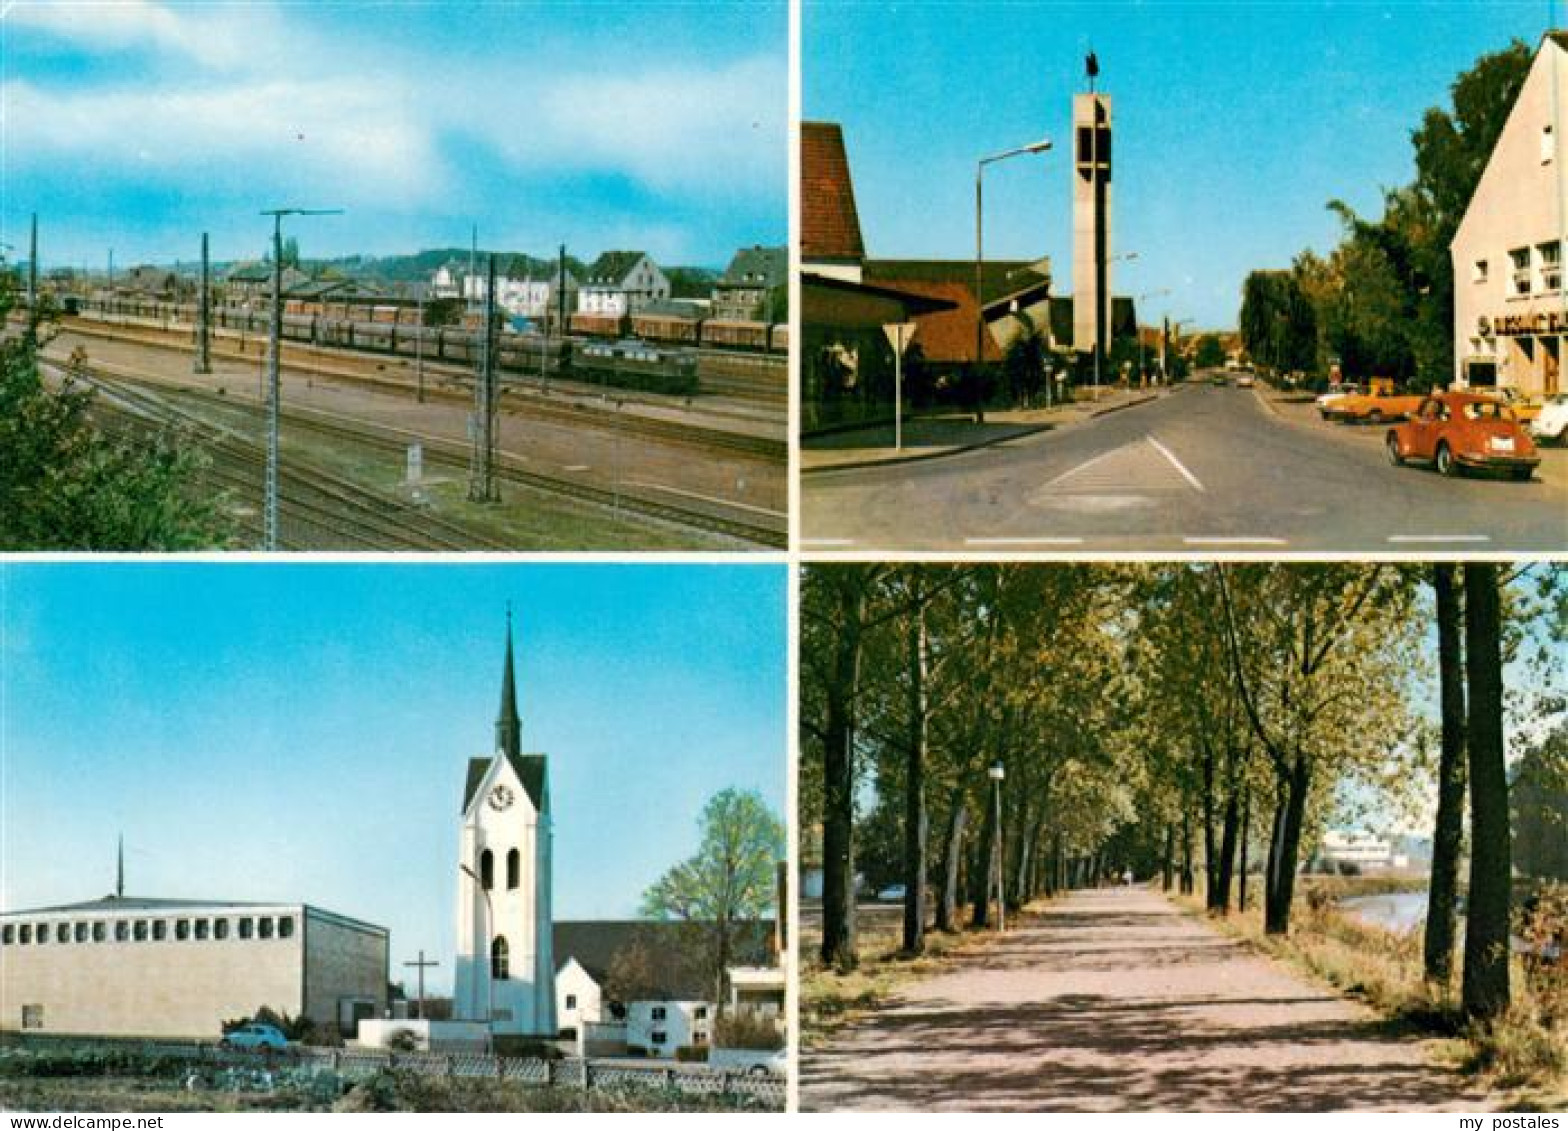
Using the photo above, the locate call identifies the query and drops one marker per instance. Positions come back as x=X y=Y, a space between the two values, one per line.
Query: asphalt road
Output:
x=1112 y=1000
x=1202 y=470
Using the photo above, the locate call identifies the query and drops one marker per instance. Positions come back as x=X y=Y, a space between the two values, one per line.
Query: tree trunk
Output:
x=838 y=773
x=1486 y=990
x=1448 y=833
x=1277 y=914
x=983 y=875
x=1219 y=895
x=915 y=831
x=952 y=855
x=1187 y=880
x=1271 y=863
x=1210 y=857
x=1246 y=833
x=1168 y=863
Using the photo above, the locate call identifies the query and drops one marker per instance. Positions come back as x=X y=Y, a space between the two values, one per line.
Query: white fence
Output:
x=584 y=1074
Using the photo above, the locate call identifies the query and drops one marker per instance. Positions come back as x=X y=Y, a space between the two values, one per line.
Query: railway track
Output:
x=453 y=383
x=143 y=394
x=312 y=501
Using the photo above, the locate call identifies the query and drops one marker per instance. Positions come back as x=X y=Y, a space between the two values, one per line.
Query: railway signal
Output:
x=481 y=474
x=204 y=316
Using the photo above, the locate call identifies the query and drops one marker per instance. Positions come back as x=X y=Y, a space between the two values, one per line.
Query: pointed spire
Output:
x=508 y=728
x=119 y=869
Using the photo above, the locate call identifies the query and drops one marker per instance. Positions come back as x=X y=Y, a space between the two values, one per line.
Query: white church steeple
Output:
x=505 y=966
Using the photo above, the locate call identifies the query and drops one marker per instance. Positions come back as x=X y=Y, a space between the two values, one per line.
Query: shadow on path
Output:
x=1113 y=1001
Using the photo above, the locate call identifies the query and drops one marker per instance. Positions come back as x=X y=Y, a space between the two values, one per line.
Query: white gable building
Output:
x=1510 y=309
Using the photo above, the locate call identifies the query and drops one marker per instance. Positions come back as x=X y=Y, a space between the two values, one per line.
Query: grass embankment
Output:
x=831 y=999
x=1525 y=1050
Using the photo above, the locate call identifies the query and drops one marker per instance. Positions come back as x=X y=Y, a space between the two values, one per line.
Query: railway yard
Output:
x=578 y=466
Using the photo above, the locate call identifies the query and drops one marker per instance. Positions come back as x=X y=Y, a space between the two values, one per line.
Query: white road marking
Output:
x=1082 y=467
x=1023 y=541
x=1227 y=540
x=827 y=541
x=1424 y=538
x=707 y=498
x=1176 y=463
x=575 y=467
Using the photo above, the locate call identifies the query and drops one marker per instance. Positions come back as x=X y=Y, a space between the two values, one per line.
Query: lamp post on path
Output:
x=996 y=773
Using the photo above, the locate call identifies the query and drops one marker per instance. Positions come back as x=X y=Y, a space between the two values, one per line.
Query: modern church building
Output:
x=123 y=966
x=1510 y=309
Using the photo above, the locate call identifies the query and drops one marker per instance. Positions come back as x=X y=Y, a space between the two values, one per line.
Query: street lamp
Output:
x=1110 y=332
x=485 y=957
x=1038 y=147
x=996 y=773
x=273 y=342
x=1142 y=381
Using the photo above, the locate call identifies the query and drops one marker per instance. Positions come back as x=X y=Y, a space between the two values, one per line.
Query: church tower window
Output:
x=247 y=927
x=264 y=927
x=487 y=869
x=286 y=927
x=498 y=958
x=122 y=931
x=62 y=932
x=160 y=930
x=100 y=931
x=220 y=928
x=514 y=867
x=81 y=932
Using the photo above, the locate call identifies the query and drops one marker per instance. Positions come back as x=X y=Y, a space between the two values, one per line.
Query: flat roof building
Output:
x=1510 y=309
x=123 y=966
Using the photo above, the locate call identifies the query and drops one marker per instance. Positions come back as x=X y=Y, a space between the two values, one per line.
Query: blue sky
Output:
x=1236 y=123
x=137 y=124
x=301 y=732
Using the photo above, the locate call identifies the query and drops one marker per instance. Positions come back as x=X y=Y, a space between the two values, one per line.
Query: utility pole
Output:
x=560 y=299
x=481 y=478
x=204 y=315
x=421 y=966
x=419 y=349
x=274 y=344
x=32 y=272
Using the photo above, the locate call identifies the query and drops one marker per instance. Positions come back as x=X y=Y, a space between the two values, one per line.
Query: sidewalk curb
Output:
x=856 y=465
x=1032 y=430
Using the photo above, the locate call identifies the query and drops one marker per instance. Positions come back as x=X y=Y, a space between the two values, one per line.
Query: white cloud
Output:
x=671 y=129
x=220 y=36
x=275 y=109
x=324 y=135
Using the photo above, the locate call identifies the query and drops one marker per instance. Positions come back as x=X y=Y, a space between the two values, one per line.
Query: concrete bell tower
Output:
x=1092 y=220
x=505 y=968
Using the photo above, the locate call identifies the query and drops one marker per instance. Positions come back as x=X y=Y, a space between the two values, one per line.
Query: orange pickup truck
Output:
x=1375 y=406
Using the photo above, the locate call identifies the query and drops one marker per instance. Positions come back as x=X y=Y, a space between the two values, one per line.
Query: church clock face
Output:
x=501 y=798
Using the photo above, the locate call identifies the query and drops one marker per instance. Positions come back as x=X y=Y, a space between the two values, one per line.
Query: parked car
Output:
x=1326 y=400
x=1552 y=422
x=1525 y=409
x=256 y=1037
x=753 y=1062
x=1373 y=406
x=893 y=893
x=1246 y=379
x=1464 y=430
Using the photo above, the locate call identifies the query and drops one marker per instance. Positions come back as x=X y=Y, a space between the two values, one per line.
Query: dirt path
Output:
x=1114 y=1001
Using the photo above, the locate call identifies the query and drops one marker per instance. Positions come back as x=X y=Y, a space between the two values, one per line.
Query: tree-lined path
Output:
x=1113 y=1000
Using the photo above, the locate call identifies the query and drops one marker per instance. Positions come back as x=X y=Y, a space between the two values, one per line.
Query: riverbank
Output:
x=1525 y=1051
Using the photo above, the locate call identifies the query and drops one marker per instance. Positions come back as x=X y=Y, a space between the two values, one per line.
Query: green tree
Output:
x=67 y=484
x=730 y=881
x=1210 y=352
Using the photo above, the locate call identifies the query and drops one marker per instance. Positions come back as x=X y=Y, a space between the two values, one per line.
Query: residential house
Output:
x=744 y=293
x=620 y=283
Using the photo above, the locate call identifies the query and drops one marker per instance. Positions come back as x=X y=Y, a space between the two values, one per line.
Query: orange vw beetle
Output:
x=1458 y=430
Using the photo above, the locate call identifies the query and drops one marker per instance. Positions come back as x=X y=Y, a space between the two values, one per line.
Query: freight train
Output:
x=392 y=328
